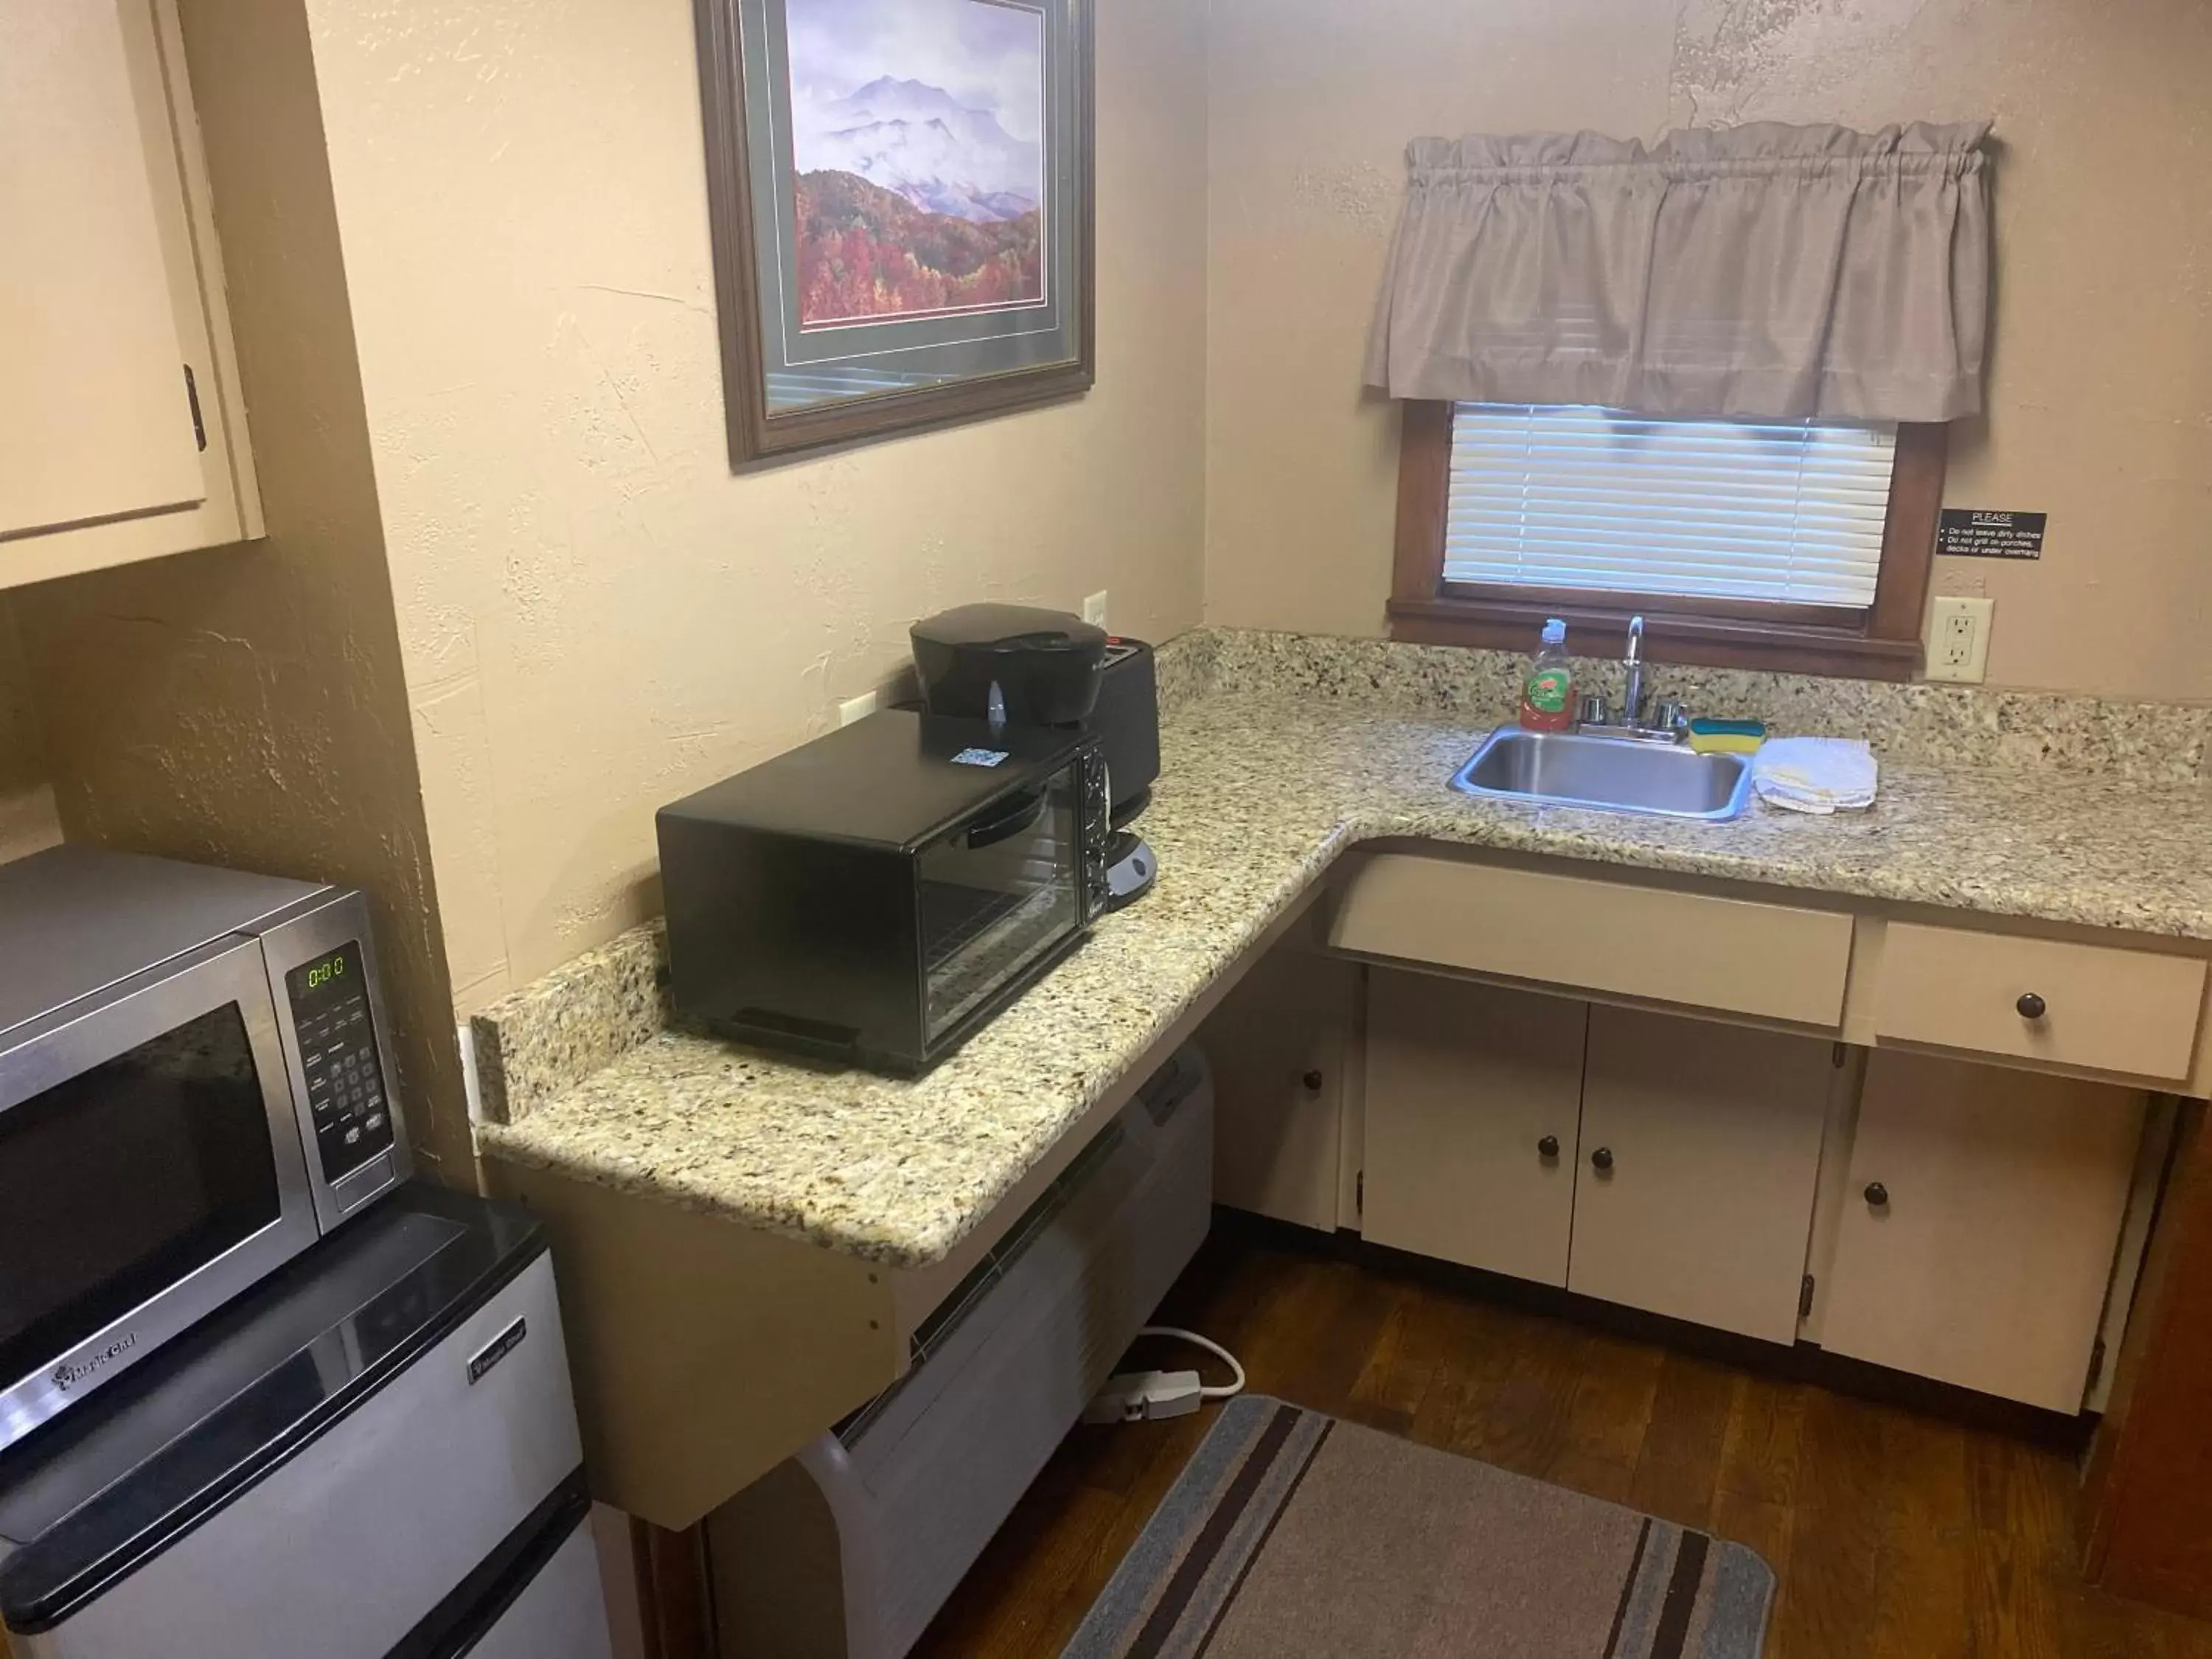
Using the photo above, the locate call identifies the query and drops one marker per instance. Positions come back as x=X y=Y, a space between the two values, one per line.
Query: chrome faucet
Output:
x=1669 y=721
x=1632 y=701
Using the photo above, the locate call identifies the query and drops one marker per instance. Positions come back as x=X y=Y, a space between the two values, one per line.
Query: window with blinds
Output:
x=1600 y=502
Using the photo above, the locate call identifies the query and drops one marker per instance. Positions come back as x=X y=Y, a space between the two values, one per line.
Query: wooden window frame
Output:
x=1879 y=642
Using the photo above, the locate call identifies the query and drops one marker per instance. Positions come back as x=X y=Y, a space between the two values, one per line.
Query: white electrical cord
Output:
x=1211 y=1347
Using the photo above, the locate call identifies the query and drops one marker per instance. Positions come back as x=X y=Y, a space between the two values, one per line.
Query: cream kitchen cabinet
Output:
x=1700 y=1159
x=1963 y=1183
x=1280 y=1047
x=122 y=435
x=1979 y=1225
x=1663 y=1163
x=1473 y=1100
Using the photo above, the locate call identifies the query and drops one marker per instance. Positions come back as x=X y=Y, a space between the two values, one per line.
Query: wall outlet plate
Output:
x=860 y=707
x=1959 y=639
x=471 y=1080
x=1094 y=609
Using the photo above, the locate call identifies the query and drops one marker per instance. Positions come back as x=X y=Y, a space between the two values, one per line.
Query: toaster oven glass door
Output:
x=998 y=894
x=149 y=1169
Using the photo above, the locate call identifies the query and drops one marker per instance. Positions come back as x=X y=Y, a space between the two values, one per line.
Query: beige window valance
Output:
x=1757 y=272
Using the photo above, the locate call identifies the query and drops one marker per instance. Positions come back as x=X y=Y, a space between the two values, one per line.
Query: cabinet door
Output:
x=94 y=422
x=1700 y=1156
x=1278 y=1044
x=1466 y=1086
x=1983 y=1255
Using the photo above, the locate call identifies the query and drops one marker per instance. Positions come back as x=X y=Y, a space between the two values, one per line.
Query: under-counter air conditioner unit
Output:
x=847 y=1550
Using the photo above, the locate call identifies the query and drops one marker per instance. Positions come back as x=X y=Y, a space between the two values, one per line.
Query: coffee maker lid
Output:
x=1009 y=628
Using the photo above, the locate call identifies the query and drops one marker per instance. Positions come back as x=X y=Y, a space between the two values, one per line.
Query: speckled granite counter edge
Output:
x=542 y=1040
x=899 y=1172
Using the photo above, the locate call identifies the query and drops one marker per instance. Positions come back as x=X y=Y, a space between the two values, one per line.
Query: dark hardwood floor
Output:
x=1892 y=1533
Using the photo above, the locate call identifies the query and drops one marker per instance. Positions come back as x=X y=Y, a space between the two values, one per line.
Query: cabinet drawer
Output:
x=1774 y=961
x=2104 y=1010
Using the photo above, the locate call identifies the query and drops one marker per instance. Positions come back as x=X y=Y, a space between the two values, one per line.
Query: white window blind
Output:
x=1549 y=496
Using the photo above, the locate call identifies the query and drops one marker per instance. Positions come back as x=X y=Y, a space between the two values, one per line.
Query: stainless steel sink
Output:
x=1611 y=774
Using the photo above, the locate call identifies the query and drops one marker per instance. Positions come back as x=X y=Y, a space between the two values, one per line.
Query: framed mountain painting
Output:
x=900 y=197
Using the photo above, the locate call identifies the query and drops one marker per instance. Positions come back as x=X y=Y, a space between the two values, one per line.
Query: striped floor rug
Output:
x=1292 y=1535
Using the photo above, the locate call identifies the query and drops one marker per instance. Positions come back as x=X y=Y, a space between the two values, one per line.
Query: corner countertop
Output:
x=1260 y=792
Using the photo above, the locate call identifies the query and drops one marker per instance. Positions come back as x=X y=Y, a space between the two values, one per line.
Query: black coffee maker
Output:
x=1016 y=666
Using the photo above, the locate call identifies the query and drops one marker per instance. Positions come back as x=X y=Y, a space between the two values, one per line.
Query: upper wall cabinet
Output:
x=122 y=435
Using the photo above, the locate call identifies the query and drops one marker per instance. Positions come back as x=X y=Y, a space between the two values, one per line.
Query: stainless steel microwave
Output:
x=194 y=1088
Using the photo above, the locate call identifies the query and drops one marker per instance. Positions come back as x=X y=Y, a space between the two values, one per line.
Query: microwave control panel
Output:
x=337 y=1053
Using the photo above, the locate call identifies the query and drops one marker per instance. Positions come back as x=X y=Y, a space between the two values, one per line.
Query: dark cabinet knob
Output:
x=1877 y=1195
x=1601 y=1159
x=1548 y=1146
x=2031 y=1006
x=1312 y=1080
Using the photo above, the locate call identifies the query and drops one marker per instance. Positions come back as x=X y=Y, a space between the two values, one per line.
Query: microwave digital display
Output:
x=338 y=1057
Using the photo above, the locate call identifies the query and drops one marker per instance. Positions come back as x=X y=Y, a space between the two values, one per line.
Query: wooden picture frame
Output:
x=900 y=369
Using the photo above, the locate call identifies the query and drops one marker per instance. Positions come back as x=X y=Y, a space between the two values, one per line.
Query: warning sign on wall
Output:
x=1969 y=532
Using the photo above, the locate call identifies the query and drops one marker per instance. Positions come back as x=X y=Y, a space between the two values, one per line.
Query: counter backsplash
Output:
x=585 y=1014
x=1937 y=725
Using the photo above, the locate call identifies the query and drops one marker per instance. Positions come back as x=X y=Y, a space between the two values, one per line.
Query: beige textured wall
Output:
x=595 y=616
x=2100 y=389
x=245 y=705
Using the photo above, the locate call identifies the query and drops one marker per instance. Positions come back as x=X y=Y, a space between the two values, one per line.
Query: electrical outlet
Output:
x=1094 y=609
x=860 y=707
x=1959 y=639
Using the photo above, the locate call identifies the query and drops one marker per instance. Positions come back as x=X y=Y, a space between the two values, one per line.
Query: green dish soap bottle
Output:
x=1547 y=696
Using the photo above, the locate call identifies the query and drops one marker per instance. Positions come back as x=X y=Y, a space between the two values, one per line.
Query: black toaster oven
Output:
x=875 y=895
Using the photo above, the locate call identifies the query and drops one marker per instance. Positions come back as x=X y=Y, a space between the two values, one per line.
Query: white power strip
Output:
x=1144 y=1396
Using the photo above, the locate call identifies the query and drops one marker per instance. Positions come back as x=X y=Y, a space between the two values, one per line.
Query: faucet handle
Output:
x=1670 y=716
x=1594 y=710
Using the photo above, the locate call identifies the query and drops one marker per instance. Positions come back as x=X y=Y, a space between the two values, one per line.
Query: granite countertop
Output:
x=1261 y=790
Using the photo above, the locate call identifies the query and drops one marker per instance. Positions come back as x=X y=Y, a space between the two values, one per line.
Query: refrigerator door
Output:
x=559 y=1614
x=342 y=1548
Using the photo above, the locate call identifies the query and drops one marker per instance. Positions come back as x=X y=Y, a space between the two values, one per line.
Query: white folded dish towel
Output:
x=1815 y=775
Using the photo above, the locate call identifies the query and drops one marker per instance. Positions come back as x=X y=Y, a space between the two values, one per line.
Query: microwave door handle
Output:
x=1026 y=810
